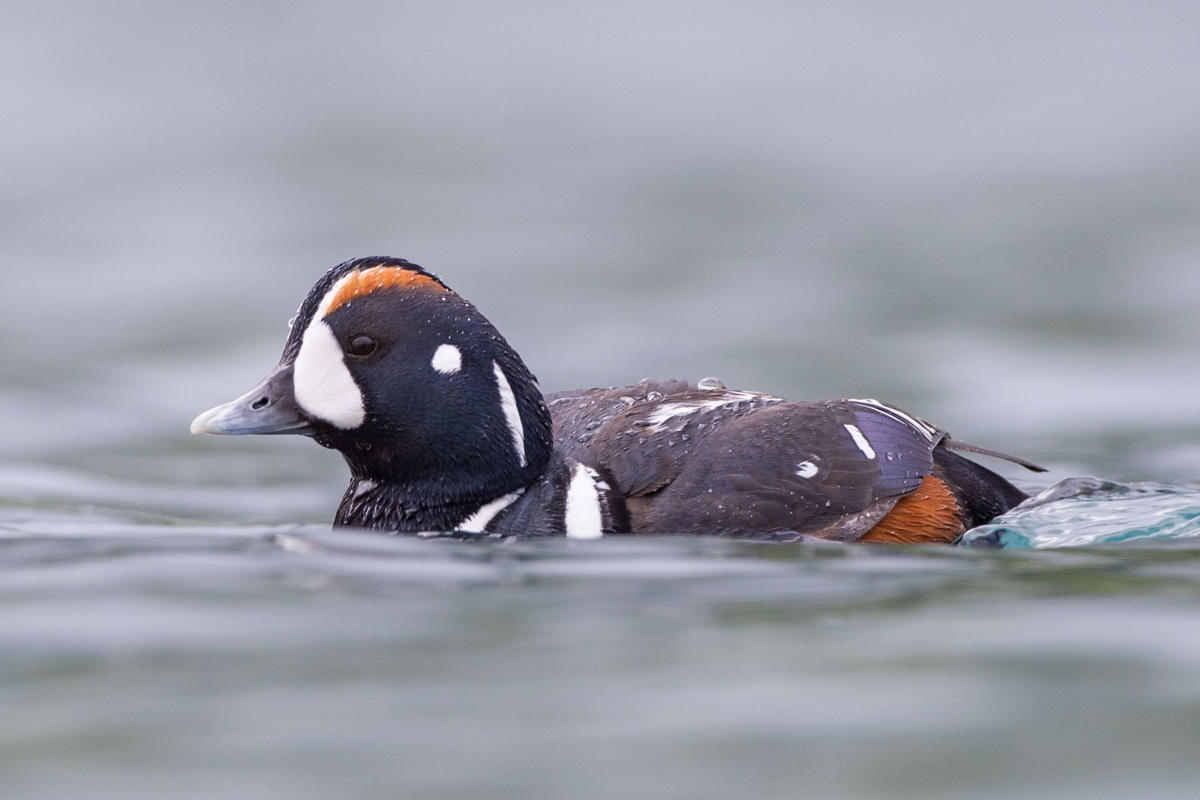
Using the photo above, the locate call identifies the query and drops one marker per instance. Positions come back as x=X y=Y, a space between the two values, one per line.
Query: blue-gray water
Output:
x=988 y=215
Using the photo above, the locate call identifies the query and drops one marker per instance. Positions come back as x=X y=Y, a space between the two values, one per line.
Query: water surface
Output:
x=986 y=215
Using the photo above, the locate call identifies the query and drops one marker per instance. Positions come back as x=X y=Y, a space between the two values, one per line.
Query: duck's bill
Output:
x=270 y=407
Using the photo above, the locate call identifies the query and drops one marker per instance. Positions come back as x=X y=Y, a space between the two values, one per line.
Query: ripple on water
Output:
x=1087 y=511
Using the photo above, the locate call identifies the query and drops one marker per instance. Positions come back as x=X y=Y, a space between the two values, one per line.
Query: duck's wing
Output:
x=746 y=464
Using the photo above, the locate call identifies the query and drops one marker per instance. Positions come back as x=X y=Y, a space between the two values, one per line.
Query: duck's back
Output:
x=704 y=459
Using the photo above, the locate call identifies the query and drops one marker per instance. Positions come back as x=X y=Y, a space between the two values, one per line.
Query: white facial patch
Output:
x=512 y=414
x=323 y=385
x=582 y=512
x=447 y=359
x=860 y=440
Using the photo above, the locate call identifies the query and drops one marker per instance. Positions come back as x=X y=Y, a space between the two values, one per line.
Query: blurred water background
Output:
x=988 y=214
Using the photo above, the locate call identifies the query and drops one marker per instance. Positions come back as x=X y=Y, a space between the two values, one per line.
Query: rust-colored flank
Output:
x=364 y=281
x=928 y=515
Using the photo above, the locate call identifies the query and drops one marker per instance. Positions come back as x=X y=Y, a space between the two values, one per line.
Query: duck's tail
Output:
x=963 y=447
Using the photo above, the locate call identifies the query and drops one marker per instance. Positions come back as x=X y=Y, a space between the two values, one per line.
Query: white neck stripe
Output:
x=512 y=414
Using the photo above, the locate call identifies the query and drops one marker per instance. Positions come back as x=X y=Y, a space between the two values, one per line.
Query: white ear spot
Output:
x=582 y=511
x=323 y=385
x=512 y=414
x=447 y=359
x=860 y=440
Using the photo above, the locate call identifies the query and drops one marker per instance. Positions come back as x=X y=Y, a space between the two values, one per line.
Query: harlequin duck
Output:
x=444 y=429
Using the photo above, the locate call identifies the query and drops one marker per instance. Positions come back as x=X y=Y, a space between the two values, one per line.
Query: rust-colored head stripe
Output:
x=362 y=282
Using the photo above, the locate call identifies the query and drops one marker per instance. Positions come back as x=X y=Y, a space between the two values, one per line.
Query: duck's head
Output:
x=407 y=380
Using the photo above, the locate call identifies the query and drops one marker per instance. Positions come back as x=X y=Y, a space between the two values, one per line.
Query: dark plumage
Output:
x=443 y=429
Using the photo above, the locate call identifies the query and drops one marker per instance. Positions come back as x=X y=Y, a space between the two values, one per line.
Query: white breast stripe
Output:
x=447 y=359
x=323 y=385
x=512 y=414
x=582 y=512
x=478 y=522
x=860 y=440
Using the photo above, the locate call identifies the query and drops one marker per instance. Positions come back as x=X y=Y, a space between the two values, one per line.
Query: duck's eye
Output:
x=361 y=346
